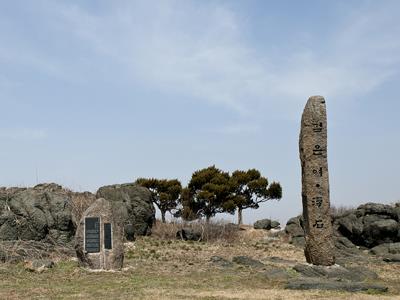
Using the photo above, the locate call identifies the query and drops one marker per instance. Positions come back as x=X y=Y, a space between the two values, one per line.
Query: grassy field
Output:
x=158 y=268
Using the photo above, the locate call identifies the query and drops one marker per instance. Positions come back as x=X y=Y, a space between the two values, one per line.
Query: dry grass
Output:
x=210 y=232
x=161 y=267
x=340 y=210
x=16 y=251
x=79 y=203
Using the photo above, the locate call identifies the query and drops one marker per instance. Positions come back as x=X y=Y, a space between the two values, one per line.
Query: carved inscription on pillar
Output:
x=319 y=248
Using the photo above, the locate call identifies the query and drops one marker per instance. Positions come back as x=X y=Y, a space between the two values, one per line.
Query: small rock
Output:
x=247 y=261
x=294 y=227
x=129 y=232
x=38 y=265
x=275 y=224
x=392 y=258
x=354 y=274
x=263 y=224
x=363 y=271
x=279 y=260
x=276 y=274
x=220 y=262
x=387 y=248
x=379 y=232
x=188 y=234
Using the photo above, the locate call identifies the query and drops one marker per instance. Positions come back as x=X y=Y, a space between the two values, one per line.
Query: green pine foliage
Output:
x=211 y=191
x=165 y=193
x=249 y=189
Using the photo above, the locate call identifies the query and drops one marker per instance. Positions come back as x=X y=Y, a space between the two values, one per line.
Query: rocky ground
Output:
x=256 y=264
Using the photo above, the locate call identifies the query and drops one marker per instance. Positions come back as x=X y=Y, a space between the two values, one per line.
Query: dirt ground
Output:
x=157 y=268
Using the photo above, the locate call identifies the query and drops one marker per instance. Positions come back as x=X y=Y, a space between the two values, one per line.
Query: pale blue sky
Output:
x=102 y=92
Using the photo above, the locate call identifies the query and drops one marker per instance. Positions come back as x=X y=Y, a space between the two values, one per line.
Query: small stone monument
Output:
x=99 y=238
x=315 y=184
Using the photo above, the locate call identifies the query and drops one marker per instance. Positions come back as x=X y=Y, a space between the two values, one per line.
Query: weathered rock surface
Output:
x=392 y=258
x=369 y=226
x=275 y=224
x=247 y=261
x=384 y=249
x=263 y=224
x=221 y=262
x=276 y=274
x=134 y=204
x=108 y=258
x=315 y=183
x=38 y=265
x=356 y=274
x=351 y=279
x=323 y=284
x=266 y=224
x=188 y=234
x=39 y=213
x=294 y=229
x=282 y=261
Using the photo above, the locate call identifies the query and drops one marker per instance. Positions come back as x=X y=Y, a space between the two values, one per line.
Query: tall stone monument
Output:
x=315 y=183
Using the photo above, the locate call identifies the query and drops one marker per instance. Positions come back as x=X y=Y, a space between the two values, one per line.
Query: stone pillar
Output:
x=319 y=249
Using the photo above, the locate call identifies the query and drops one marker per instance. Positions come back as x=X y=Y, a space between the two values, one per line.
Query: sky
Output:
x=102 y=92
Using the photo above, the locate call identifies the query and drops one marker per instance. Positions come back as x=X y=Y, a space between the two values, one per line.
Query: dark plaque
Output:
x=92 y=235
x=107 y=236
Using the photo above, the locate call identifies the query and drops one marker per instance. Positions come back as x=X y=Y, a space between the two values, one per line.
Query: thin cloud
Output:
x=216 y=64
x=200 y=51
x=239 y=129
x=22 y=134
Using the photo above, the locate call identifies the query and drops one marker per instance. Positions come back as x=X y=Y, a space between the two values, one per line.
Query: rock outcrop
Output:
x=371 y=225
x=39 y=213
x=188 y=234
x=133 y=204
x=50 y=213
x=266 y=224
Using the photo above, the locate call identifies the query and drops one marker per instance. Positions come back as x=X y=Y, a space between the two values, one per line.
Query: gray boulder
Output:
x=134 y=204
x=263 y=224
x=39 y=213
x=266 y=224
x=384 y=249
x=38 y=265
x=351 y=227
x=188 y=234
x=247 y=261
x=370 y=224
x=221 y=262
x=381 y=231
x=294 y=227
x=392 y=258
x=379 y=209
x=275 y=224
x=356 y=274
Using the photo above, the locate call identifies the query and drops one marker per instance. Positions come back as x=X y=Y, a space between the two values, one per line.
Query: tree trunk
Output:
x=163 y=216
x=208 y=219
x=240 y=216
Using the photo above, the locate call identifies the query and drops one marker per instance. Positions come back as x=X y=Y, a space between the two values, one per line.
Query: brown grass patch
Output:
x=79 y=203
x=213 y=231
